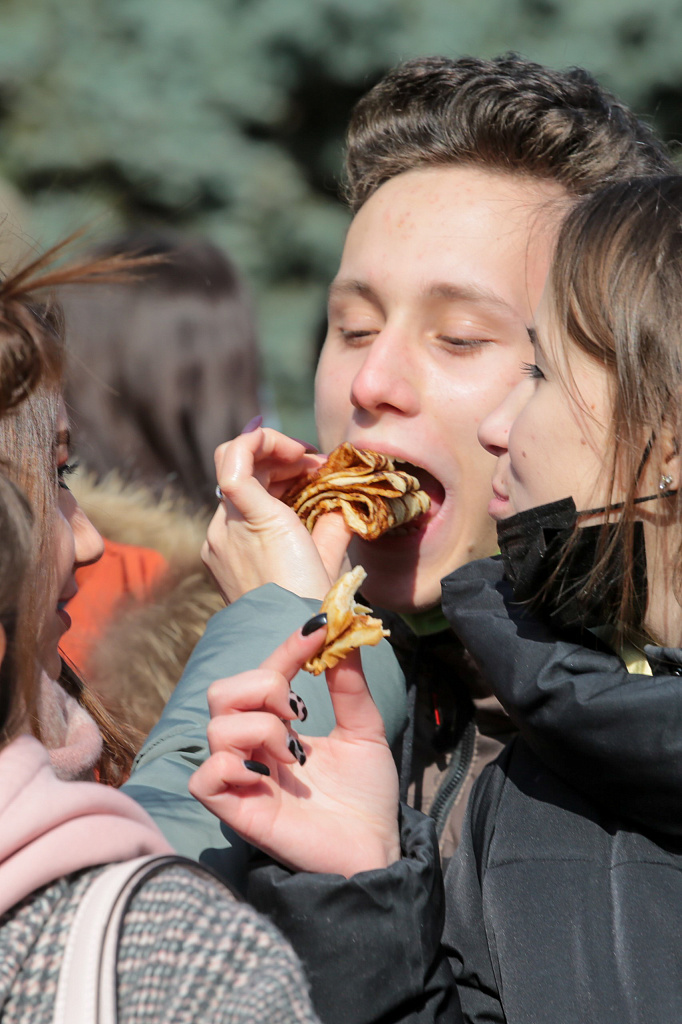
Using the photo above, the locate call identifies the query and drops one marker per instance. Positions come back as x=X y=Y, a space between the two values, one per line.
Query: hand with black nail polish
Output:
x=254 y=538
x=315 y=803
x=317 y=622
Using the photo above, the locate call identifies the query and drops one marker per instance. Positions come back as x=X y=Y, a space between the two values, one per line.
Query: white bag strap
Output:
x=86 y=993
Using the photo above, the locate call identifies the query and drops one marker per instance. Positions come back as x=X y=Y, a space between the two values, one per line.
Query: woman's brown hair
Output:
x=31 y=365
x=15 y=557
x=616 y=286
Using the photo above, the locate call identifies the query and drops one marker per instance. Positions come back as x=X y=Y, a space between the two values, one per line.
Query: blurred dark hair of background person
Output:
x=163 y=369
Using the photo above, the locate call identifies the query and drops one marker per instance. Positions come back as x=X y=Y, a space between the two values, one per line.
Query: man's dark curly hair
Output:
x=507 y=114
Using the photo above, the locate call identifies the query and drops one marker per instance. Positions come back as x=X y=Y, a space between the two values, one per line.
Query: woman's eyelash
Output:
x=65 y=470
x=533 y=371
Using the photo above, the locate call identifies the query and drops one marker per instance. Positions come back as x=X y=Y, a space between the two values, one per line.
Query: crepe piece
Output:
x=349 y=625
x=371 y=494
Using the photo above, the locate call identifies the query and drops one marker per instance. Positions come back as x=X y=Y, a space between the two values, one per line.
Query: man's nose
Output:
x=388 y=379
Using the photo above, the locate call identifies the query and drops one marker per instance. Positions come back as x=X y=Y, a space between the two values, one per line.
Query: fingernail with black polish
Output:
x=296 y=750
x=253 y=424
x=257 y=766
x=310 y=448
x=317 y=622
x=297 y=705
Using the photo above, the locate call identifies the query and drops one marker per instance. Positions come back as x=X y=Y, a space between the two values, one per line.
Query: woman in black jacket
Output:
x=564 y=900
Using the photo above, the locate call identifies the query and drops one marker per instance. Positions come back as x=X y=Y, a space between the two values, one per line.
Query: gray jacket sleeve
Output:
x=238 y=638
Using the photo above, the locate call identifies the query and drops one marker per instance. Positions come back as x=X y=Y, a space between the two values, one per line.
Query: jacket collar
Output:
x=664 y=661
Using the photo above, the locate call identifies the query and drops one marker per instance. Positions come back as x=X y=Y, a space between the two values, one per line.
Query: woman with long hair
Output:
x=186 y=949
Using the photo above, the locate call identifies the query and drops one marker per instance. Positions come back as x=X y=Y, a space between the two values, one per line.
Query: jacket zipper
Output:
x=454 y=778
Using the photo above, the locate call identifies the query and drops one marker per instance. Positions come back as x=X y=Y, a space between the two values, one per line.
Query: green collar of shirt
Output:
x=429 y=621
x=634 y=658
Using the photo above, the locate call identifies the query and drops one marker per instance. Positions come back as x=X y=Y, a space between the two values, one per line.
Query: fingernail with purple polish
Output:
x=257 y=766
x=297 y=705
x=310 y=448
x=317 y=622
x=253 y=424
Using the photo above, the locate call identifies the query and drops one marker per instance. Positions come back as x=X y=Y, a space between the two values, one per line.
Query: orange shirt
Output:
x=123 y=570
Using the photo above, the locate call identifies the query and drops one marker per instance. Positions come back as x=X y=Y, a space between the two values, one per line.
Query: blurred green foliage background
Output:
x=226 y=118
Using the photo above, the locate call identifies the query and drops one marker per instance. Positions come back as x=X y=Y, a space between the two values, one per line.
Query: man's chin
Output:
x=400 y=595
x=388 y=585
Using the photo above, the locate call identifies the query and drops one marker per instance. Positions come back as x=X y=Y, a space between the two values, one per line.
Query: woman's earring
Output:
x=664 y=483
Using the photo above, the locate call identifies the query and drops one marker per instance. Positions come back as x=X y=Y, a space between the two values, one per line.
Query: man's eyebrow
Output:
x=352 y=287
x=468 y=293
x=442 y=290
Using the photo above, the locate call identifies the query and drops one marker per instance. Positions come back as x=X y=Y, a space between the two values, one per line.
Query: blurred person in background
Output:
x=164 y=370
x=161 y=370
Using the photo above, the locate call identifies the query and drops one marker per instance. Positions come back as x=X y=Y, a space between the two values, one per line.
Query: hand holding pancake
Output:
x=315 y=803
x=349 y=625
x=254 y=538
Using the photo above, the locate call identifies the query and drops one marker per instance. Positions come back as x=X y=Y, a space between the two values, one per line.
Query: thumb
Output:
x=354 y=707
x=332 y=537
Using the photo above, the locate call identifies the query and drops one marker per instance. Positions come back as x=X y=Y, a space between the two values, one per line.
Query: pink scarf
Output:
x=50 y=827
x=68 y=732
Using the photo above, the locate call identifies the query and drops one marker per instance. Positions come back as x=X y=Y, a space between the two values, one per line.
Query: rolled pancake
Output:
x=371 y=494
x=349 y=625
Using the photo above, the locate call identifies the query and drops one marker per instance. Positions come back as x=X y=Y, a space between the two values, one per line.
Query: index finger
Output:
x=262 y=444
x=291 y=655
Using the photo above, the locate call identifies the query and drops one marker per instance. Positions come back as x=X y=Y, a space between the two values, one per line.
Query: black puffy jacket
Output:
x=564 y=900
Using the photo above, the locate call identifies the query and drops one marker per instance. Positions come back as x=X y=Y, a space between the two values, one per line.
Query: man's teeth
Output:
x=407 y=530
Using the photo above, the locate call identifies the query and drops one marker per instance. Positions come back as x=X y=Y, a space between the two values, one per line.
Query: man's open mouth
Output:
x=431 y=486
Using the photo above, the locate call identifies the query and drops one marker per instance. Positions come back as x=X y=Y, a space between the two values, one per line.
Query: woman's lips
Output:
x=63 y=614
x=498 y=506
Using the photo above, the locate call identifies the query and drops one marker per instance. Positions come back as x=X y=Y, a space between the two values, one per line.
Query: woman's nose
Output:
x=493 y=431
x=387 y=380
x=88 y=543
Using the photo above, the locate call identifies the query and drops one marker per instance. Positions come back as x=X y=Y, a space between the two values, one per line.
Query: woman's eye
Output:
x=65 y=470
x=533 y=371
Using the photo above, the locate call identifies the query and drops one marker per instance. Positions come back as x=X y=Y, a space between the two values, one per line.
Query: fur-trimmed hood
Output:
x=144 y=649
